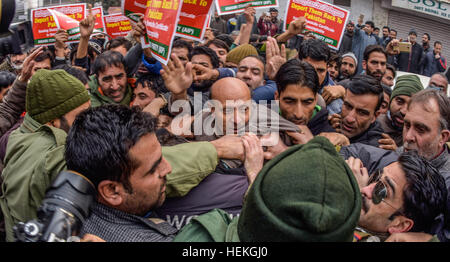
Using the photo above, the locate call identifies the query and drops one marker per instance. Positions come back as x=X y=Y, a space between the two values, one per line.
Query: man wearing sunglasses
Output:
x=405 y=196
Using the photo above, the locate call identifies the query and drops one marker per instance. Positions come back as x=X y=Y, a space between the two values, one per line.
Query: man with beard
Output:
x=392 y=121
x=348 y=67
x=53 y=100
x=298 y=85
x=374 y=64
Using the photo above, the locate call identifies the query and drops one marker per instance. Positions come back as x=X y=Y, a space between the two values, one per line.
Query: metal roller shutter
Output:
x=403 y=23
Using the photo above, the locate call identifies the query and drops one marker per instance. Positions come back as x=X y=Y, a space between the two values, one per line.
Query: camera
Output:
x=20 y=40
x=63 y=211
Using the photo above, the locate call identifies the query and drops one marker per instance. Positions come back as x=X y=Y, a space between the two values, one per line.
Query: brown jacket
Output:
x=13 y=106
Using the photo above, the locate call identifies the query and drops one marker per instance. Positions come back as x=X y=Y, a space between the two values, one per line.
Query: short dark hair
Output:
x=226 y=38
x=386 y=89
x=387 y=27
x=315 y=49
x=336 y=58
x=219 y=43
x=204 y=50
x=370 y=23
x=393 y=30
x=428 y=35
x=365 y=84
x=6 y=79
x=425 y=96
x=180 y=43
x=373 y=48
x=154 y=82
x=77 y=73
x=99 y=142
x=392 y=68
x=47 y=54
x=295 y=71
x=107 y=59
x=425 y=195
x=437 y=43
x=119 y=41
x=376 y=28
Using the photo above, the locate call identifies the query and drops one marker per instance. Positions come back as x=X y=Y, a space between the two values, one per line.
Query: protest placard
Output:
x=45 y=27
x=99 y=24
x=194 y=19
x=226 y=7
x=134 y=9
x=326 y=21
x=161 y=19
x=117 y=25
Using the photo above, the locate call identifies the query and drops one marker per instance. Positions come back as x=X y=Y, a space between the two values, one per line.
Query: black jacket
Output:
x=319 y=123
x=410 y=62
x=370 y=136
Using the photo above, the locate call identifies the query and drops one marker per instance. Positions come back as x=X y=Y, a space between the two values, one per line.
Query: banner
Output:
x=45 y=27
x=226 y=7
x=326 y=21
x=194 y=19
x=117 y=25
x=99 y=25
x=134 y=9
x=160 y=22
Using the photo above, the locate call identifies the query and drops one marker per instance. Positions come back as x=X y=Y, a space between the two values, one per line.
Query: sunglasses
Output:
x=380 y=191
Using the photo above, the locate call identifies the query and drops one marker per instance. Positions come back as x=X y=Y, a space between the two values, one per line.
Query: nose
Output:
x=350 y=118
x=167 y=168
x=115 y=85
x=299 y=112
x=408 y=135
x=367 y=191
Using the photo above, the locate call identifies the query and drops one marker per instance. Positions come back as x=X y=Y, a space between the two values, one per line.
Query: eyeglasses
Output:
x=379 y=193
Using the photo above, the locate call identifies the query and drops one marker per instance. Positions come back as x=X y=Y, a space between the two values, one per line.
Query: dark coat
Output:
x=319 y=123
x=410 y=62
x=370 y=136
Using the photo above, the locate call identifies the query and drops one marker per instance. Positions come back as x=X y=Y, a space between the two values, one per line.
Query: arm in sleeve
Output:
x=191 y=163
x=12 y=106
x=131 y=63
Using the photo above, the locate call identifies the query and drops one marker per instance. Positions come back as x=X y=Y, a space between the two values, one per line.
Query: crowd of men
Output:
x=257 y=134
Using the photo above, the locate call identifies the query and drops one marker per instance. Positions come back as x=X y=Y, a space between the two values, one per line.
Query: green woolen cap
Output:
x=241 y=52
x=406 y=85
x=307 y=193
x=52 y=94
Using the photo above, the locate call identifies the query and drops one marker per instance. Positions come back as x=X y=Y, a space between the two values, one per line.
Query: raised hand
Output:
x=177 y=78
x=87 y=24
x=275 y=57
x=28 y=64
x=297 y=26
x=331 y=93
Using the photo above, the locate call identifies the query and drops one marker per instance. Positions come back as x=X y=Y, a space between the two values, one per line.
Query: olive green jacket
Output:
x=35 y=156
x=98 y=99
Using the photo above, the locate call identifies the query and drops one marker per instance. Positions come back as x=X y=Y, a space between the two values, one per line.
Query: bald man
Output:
x=231 y=104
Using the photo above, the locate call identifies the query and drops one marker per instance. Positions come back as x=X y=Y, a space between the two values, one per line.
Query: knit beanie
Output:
x=307 y=193
x=406 y=85
x=241 y=52
x=53 y=93
x=350 y=54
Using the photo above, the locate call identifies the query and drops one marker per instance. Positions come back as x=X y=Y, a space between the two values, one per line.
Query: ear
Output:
x=110 y=192
x=277 y=95
x=445 y=135
x=54 y=123
x=377 y=113
x=364 y=64
x=400 y=224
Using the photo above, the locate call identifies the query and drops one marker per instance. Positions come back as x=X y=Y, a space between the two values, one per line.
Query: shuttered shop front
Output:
x=403 y=23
